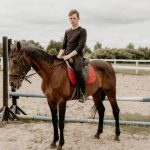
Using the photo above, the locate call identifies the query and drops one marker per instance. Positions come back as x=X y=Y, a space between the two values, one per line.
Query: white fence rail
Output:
x=135 y=67
x=116 y=65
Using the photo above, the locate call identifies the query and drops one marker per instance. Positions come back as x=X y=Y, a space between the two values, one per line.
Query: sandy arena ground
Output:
x=37 y=136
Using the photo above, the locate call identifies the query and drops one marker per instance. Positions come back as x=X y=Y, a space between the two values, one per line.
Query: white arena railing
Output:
x=122 y=66
x=116 y=64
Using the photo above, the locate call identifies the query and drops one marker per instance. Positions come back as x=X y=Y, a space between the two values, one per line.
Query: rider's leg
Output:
x=77 y=65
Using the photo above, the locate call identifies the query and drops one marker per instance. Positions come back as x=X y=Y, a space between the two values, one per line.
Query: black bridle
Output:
x=22 y=76
x=22 y=63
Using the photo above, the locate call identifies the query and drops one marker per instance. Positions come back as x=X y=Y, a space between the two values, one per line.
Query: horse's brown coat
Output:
x=58 y=89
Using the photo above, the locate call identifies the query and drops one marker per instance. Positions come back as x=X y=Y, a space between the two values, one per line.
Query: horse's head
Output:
x=19 y=66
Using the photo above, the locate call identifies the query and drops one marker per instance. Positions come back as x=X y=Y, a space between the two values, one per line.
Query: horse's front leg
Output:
x=53 y=108
x=62 y=110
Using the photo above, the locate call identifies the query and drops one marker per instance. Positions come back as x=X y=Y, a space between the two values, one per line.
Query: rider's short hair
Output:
x=73 y=11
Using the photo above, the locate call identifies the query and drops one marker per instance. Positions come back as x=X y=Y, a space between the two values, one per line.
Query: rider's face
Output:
x=74 y=19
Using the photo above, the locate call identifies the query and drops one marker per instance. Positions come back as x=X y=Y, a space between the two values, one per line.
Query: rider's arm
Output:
x=61 y=52
x=82 y=41
x=73 y=53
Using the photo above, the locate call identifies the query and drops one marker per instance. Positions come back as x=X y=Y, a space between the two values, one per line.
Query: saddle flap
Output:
x=88 y=73
x=85 y=72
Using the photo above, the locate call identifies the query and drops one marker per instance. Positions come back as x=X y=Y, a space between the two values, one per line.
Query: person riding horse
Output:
x=73 y=45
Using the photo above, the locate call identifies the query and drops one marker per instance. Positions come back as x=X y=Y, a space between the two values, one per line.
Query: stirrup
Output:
x=83 y=98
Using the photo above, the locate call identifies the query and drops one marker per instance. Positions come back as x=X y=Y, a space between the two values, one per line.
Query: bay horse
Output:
x=58 y=88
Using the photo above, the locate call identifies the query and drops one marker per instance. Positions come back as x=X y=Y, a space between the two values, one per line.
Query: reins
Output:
x=21 y=63
x=30 y=75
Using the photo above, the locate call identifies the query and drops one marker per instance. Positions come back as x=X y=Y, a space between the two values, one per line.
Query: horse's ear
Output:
x=18 y=45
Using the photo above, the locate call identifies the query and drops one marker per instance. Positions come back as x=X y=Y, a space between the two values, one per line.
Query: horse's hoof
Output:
x=59 y=147
x=116 y=138
x=53 y=146
x=96 y=136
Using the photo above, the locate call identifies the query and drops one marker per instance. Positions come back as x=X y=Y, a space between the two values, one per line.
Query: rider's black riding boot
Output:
x=82 y=85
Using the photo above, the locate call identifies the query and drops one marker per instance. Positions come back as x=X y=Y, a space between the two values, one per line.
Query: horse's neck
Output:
x=41 y=67
x=47 y=70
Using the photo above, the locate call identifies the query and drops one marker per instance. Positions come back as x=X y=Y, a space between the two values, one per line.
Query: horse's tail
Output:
x=102 y=96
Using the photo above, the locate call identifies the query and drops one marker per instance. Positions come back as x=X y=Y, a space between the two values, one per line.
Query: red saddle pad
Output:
x=91 y=78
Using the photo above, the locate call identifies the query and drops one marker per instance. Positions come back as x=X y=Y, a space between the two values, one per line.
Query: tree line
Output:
x=98 y=51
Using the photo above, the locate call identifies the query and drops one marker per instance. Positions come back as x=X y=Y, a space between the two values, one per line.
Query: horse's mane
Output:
x=37 y=53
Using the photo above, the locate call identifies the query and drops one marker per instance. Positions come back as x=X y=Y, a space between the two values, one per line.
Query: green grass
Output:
x=130 y=128
x=133 y=129
x=131 y=117
x=136 y=129
x=143 y=130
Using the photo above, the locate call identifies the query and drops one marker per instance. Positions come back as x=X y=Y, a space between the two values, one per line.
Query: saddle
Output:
x=88 y=73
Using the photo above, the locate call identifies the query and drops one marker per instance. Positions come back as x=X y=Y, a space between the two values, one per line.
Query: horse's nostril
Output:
x=11 y=84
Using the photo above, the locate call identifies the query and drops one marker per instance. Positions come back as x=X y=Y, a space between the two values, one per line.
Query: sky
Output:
x=113 y=23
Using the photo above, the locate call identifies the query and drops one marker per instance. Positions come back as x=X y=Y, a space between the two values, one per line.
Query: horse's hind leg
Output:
x=111 y=94
x=53 y=108
x=98 y=98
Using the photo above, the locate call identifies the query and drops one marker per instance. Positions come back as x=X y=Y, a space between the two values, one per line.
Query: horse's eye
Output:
x=15 y=61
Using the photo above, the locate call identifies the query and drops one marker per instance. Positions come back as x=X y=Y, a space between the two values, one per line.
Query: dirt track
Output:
x=37 y=136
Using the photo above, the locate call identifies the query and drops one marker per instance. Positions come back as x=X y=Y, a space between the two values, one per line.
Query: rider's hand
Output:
x=66 y=57
x=60 y=57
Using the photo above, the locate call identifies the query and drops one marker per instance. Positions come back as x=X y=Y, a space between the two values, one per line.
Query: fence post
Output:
x=5 y=71
x=6 y=112
x=1 y=63
x=115 y=62
x=137 y=66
